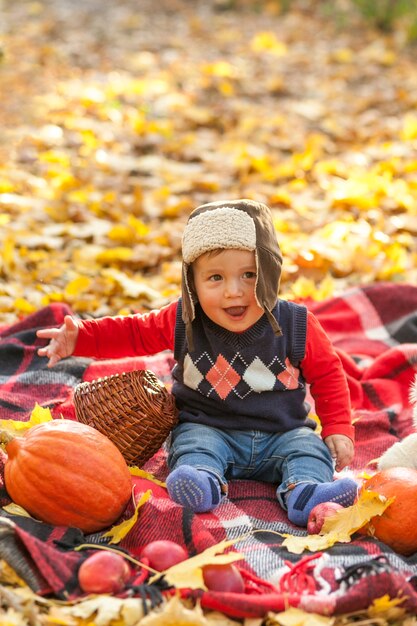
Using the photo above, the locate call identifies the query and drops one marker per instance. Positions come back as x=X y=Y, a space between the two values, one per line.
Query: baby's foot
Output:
x=304 y=497
x=195 y=489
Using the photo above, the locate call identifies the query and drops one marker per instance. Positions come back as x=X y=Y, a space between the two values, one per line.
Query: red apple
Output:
x=319 y=514
x=163 y=554
x=223 y=577
x=103 y=572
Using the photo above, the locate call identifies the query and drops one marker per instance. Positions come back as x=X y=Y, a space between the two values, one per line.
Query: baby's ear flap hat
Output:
x=234 y=224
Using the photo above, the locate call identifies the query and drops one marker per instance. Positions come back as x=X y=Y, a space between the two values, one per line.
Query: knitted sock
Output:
x=304 y=497
x=195 y=489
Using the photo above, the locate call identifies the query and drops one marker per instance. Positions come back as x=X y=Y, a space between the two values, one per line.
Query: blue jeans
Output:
x=287 y=459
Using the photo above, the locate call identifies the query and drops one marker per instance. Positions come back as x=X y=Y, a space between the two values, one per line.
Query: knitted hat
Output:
x=234 y=224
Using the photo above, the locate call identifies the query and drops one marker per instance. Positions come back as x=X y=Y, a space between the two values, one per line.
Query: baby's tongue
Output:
x=236 y=310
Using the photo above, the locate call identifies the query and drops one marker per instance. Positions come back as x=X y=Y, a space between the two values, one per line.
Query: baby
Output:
x=243 y=361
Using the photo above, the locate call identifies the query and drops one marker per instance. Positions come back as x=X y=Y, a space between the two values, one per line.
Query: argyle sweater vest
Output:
x=248 y=380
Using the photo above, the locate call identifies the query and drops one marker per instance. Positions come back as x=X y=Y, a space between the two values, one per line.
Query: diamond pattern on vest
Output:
x=221 y=377
x=192 y=375
x=289 y=377
x=259 y=377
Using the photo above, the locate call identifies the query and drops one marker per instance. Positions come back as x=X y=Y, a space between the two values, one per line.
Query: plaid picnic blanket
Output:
x=374 y=329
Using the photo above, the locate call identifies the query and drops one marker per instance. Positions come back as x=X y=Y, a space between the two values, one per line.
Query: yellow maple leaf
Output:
x=119 y=253
x=135 y=228
x=121 y=232
x=188 y=573
x=221 y=69
x=386 y=607
x=24 y=306
x=306 y=288
x=77 y=286
x=55 y=156
x=268 y=42
x=130 y=287
x=342 y=525
x=119 y=532
x=39 y=415
x=136 y=471
x=396 y=262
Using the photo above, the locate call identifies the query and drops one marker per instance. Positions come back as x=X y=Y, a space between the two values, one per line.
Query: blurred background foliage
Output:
x=118 y=117
x=385 y=15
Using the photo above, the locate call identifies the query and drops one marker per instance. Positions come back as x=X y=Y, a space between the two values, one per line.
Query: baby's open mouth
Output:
x=235 y=311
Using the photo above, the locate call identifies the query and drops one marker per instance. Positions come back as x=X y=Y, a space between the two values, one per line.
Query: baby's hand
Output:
x=342 y=450
x=63 y=340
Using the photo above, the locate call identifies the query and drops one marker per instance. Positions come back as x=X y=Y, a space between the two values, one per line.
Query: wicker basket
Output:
x=134 y=410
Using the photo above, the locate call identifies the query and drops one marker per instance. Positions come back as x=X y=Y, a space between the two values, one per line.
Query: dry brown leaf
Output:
x=175 y=613
x=104 y=610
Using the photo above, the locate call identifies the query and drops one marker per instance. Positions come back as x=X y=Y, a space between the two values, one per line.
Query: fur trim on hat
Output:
x=225 y=227
x=233 y=224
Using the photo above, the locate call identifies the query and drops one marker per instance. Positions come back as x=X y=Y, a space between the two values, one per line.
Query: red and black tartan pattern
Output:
x=24 y=379
x=375 y=331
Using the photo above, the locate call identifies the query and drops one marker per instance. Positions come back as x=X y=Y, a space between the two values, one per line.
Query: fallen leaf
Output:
x=131 y=288
x=119 y=532
x=77 y=286
x=16 y=509
x=340 y=526
x=104 y=610
x=136 y=471
x=267 y=42
x=39 y=415
x=188 y=573
x=387 y=608
x=175 y=613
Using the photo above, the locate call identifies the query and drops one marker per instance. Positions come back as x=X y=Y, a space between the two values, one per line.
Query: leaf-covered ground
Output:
x=118 y=117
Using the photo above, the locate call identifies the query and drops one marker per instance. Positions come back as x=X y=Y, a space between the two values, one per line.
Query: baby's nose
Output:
x=233 y=288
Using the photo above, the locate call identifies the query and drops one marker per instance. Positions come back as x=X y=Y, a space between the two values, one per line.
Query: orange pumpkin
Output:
x=397 y=526
x=68 y=474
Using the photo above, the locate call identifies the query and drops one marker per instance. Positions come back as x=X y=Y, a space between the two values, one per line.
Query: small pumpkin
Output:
x=68 y=474
x=397 y=525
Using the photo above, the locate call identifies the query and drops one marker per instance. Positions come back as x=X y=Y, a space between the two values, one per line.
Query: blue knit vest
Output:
x=248 y=380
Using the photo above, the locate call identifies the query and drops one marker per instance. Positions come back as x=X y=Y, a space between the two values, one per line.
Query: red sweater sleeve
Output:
x=132 y=335
x=323 y=371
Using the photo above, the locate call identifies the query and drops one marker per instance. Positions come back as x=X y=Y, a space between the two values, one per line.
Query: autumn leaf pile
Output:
x=119 y=117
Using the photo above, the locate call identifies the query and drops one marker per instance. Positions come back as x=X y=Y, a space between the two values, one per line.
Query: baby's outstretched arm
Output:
x=62 y=340
x=342 y=450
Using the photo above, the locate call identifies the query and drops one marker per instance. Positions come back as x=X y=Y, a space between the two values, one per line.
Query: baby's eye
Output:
x=249 y=275
x=215 y=277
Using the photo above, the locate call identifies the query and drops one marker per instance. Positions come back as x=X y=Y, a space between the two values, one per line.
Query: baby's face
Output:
x=225 y=285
